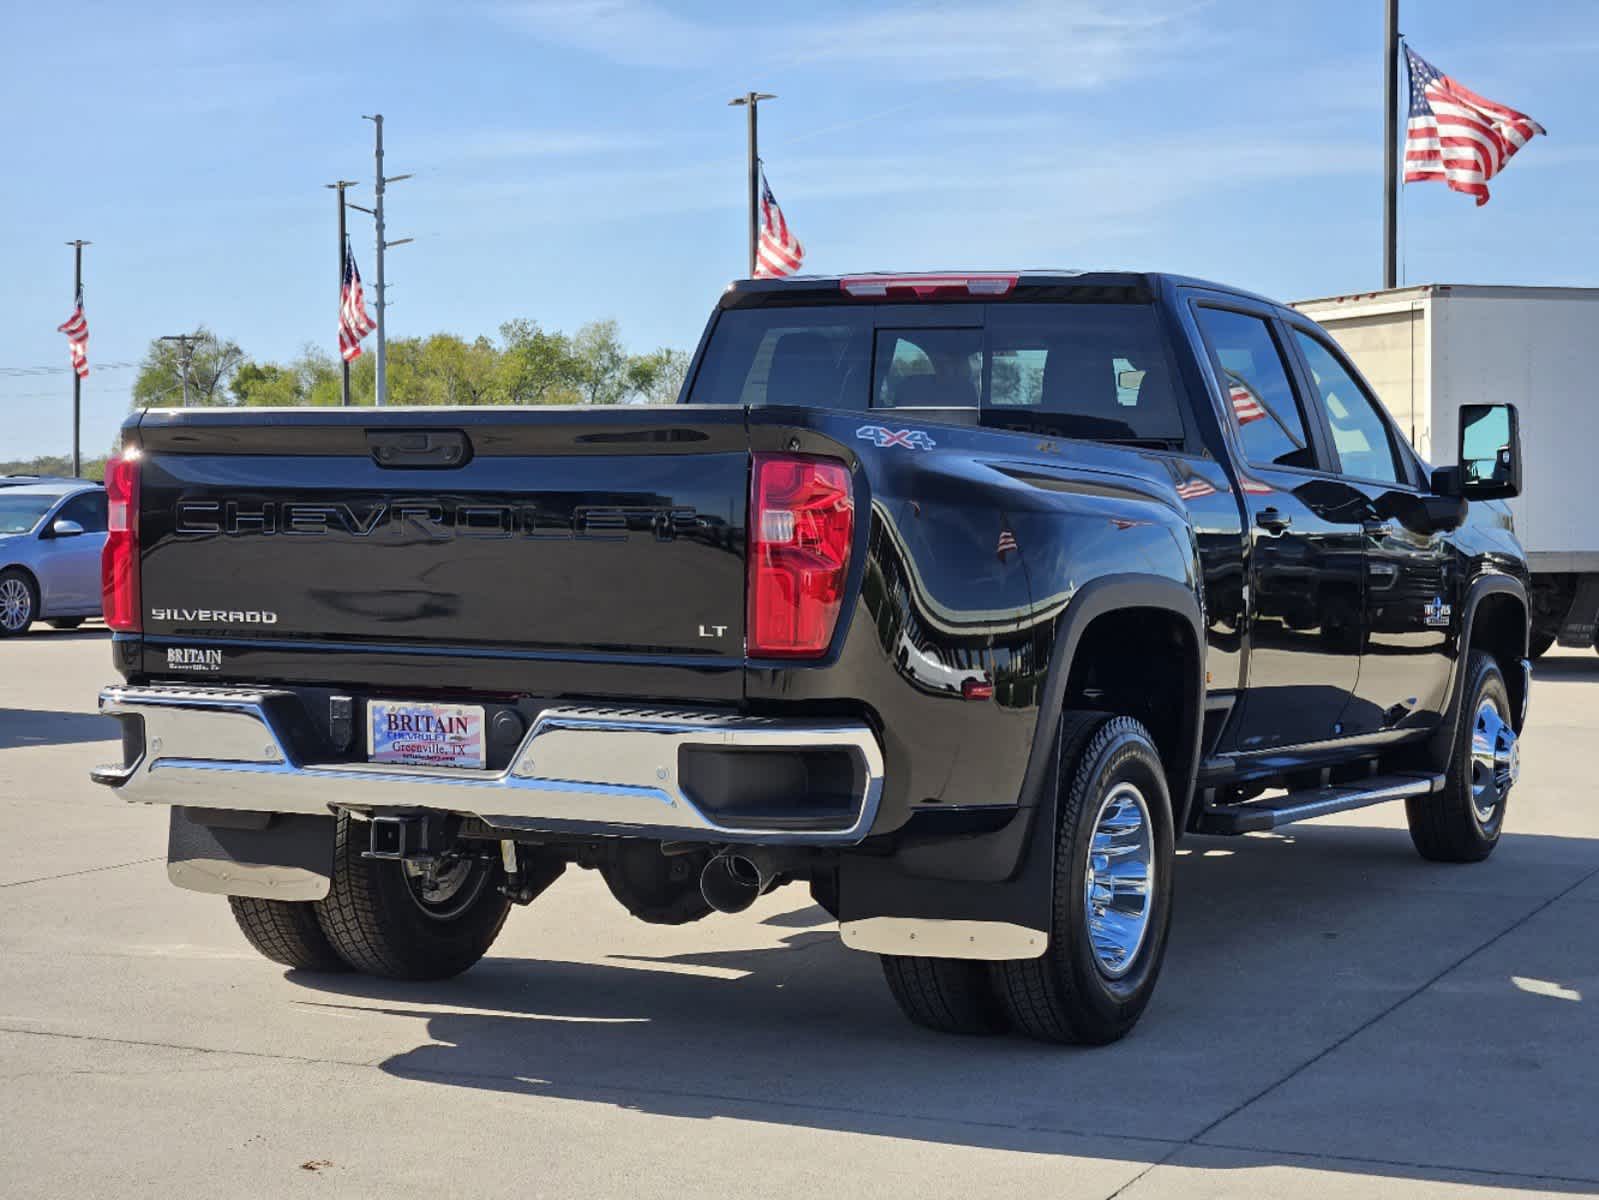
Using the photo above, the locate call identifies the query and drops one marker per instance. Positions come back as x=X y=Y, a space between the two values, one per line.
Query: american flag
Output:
x=354 y=324
x=1456 y=135
x=1246 y=405
x=1007 y=544
x=76 y=327
x=1195 y=489
x=777 y=252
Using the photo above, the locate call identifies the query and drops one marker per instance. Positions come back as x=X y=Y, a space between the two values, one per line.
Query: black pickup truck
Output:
x=960 y=598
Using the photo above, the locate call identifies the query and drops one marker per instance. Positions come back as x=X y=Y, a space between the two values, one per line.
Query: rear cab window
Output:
x=1099 y=371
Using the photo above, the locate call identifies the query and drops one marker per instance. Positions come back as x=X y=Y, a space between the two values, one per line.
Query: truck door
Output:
x=1304 y=541
x=1410 y=572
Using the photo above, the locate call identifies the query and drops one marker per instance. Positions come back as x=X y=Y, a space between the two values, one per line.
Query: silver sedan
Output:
x=51 y=534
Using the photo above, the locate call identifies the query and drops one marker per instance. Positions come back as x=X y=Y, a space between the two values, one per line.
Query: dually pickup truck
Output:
x=960 y=598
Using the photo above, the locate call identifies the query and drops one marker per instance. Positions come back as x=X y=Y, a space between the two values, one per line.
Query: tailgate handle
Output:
x=419 y=447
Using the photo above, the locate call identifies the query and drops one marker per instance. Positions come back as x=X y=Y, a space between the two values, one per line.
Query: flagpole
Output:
x=344 y=241
x=752 y=101
x=1390 y=160
x=77 y=381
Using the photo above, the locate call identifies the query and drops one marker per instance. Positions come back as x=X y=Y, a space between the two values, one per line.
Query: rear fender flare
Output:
x=1094 y=599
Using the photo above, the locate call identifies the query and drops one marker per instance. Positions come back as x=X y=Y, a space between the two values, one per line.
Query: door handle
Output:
x=1272 y=520
x=1377 y=529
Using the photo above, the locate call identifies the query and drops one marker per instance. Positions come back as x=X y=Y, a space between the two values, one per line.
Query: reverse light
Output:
x=119 y=560
x=801 y=525
x=923 y=286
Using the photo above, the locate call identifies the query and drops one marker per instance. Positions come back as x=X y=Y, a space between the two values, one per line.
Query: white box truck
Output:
x=1429 y=349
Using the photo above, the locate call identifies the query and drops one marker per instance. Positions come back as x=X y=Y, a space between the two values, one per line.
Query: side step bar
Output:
x=1285 y=809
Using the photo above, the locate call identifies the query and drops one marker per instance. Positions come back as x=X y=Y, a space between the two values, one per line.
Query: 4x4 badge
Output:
x=910 y=439
x=1435 y=612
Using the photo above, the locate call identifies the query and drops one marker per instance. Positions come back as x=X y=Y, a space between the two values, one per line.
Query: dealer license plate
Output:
x=432 y=735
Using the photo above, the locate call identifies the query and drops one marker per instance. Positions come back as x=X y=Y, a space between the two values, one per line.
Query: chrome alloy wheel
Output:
x=1119 y=885
x=446 y=889
x=1495 y=760
x=16 y=605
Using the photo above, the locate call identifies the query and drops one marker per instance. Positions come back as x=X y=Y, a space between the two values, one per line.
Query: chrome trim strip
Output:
x=930 y=937
x=602 y=770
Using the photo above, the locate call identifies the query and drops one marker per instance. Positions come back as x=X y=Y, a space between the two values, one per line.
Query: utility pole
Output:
x=380 y=364
x=186 y=343
x=1390 y=152
x=77 y=245
x=752 y=101
x=339 y=186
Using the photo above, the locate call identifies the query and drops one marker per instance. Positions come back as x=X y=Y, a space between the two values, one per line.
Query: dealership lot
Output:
x=1337 y=1017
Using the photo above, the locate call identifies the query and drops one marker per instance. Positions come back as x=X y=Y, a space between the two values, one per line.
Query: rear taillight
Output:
x=801 y=523
x=119 y=561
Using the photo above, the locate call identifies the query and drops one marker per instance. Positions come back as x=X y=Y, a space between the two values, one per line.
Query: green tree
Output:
x=658 y=377
x=602 y=363
x=212 y=361
x=536 y=367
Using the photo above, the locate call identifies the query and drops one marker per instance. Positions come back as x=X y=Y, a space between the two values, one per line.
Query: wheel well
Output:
x=28 y=575
x=1143 y=663
x=1499 y=627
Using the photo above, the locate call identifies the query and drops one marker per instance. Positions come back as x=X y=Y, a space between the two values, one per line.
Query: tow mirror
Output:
x=1489 y=462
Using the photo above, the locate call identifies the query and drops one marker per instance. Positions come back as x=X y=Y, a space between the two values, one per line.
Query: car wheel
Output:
x=1541 y=643
x=1462 y=822
x=948 y=995
x=64 y=622
x=19 y=601
x=392 y=919
x=287 y=932
x=1113 y=889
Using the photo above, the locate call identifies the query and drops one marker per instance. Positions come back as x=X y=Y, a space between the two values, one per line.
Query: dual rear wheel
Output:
x=382 y=917
x=1112 y=910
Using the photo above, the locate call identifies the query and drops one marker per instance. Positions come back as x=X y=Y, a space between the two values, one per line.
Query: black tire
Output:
x=19 y=602
x=1446 y=825
x=1066 y=995
x=287 y=932
x=375 y=919
x=1541 y=642
x=64 y=622
x=949 y=995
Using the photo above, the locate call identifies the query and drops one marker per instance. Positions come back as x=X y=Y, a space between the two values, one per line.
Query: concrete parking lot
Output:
x=1336 y=1017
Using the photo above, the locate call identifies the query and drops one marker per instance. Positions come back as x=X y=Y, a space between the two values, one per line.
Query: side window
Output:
x=1360 y=435
x=928 y=368
x=88 y=510
x=1270 y=423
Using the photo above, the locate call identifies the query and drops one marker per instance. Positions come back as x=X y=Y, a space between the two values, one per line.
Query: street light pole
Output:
x=77 y=245
x=752 y=101
x=339 y=186
x=379 y=365
x=186 y=343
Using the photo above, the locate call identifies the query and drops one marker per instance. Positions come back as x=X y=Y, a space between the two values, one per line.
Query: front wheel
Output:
x=1113 y=889
x=1462 y=822
x=399 y=921
x=19 y=602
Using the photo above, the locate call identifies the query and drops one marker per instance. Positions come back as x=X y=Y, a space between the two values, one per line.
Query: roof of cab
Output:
x=1028 y=283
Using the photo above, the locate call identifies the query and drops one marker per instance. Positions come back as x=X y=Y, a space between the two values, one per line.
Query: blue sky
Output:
x=576 y=159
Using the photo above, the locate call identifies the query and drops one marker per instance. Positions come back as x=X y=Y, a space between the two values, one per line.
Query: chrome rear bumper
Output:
x=607 y=771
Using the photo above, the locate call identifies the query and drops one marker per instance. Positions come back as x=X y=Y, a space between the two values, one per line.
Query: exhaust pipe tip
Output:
x=731 y=883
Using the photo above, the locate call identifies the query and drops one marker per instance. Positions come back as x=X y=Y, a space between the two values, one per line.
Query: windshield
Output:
x=20 y=513
x=1085 y=370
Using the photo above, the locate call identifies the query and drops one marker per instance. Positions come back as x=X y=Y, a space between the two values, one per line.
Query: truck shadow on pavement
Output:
x=39 y=727
x=1329 y=1000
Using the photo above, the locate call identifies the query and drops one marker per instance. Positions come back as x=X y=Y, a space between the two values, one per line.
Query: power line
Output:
x=16 y=372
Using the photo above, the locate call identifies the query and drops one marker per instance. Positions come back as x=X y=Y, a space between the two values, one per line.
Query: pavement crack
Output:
x=86 y=871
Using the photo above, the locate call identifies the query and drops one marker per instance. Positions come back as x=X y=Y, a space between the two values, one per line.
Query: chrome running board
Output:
x=1275 y=811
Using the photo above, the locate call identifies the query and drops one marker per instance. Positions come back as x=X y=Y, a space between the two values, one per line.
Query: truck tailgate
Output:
x=613 y=534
